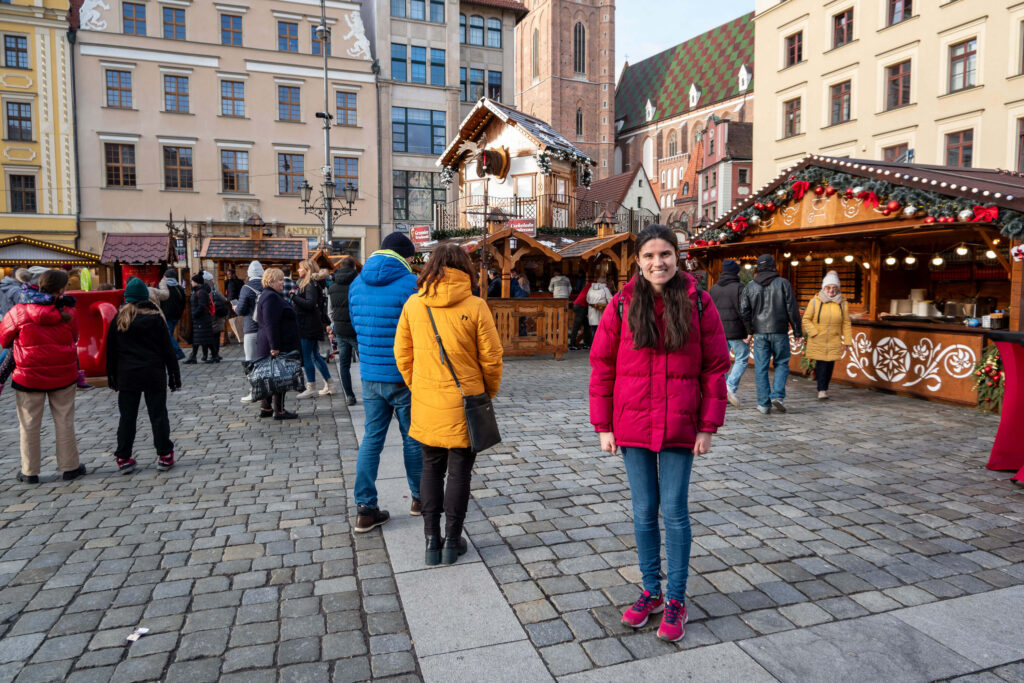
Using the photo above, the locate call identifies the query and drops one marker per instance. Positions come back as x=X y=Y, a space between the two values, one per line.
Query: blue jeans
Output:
x=171 y=324
x=661 y=480
x=380 y=399
x=310 y=356
x=741 y=352
x=775 y=348
x=347 y=348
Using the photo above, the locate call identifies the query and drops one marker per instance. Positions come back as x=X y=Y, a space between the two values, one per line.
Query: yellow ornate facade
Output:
x=37 y=149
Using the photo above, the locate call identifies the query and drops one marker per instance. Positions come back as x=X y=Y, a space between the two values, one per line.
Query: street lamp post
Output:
x=328 y=205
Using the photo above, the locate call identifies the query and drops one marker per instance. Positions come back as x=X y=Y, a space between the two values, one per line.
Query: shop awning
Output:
x=269 y=249
x=592 y=246
x=137 y=249
x=25 y=251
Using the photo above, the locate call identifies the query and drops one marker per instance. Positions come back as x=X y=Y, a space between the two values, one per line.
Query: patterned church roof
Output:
x=711 y=61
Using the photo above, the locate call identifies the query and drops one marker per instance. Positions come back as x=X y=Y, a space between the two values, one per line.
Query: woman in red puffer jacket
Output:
x=45 y=339
x=657 y=390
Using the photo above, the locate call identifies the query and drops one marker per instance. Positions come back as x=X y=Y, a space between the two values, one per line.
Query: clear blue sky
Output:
x=646 y=27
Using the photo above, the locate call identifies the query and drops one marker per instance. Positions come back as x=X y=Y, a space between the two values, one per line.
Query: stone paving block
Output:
x=606 y=652
x=343 y=645
x=565 y=658
x=506 y=663
x=19 y=648
x=199 y=671
x=140 y=669
x=392 y=664
x=298 y=651
x=47 y=671
x=549 y=633
x=725 y=663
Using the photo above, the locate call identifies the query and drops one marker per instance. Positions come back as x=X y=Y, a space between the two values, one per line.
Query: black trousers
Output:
x=209 y=350
x=453 y=497
x=823 y=373
x=579 y=319
x=156 y=405
x=274 y=400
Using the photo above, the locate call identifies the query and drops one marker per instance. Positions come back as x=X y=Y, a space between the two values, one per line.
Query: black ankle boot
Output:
x=434 y=543
x=454 y=548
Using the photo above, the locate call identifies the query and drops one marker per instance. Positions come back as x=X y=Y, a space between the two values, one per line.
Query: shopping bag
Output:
x=275 y=374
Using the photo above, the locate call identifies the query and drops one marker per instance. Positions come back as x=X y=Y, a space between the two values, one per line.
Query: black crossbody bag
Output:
x=480 y=420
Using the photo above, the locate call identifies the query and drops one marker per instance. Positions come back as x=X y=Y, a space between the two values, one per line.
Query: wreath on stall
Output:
x=990 y=380
x=889 y=199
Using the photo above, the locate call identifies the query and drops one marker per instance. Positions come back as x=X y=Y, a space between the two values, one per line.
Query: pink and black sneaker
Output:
x=126 y=465
x=646 y=605
x=165 y=462
x=673 y=622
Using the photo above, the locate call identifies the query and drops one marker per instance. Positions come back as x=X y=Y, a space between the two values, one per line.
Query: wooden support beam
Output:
x=874 y=279
x=506 y=269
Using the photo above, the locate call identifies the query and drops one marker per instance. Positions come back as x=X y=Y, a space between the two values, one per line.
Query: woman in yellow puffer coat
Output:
x=828 y=330
x=470 y=338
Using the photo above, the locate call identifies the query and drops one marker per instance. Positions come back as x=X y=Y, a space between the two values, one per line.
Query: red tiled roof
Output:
x=711 y=61
x=135 y=248
x=611 y=189
x=503 y=4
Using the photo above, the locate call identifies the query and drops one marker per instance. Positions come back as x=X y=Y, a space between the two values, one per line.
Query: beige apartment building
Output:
x=208 y=109
x=437 y=59
x=929 y=82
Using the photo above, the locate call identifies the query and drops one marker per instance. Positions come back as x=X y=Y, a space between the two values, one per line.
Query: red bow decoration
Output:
x=740 y=223
x=700 y=243
x=800 y=188
x=985 y=214
x=870 y=199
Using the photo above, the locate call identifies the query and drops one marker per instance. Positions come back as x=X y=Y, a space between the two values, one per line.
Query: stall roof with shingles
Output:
x=533 y=128
x=513 y=5
x=271 y=249
x=135 y=248
x=711 y=61
x=985 y=185
x=611 y=189
x=18 y=250
x=591 y=246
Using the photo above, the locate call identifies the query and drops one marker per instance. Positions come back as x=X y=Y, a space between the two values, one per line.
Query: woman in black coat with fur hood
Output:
x=202 y=322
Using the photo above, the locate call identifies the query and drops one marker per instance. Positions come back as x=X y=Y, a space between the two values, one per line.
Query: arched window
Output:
x=476 y=30
x=462 y=29
x=536 y=54
x=618 y=161
x=494 y=33
x=579 y=49
x=686 y=189
x=673 y=144
x=649 y=155
x=684 y=141
x=579 y=122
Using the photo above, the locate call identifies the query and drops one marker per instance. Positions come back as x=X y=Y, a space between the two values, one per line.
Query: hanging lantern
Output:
x=910 y=262
x=794 y=263
x=787 y=254
x=965 y=215
x=848 y=258
x=891 y=262
x=962 y=249
x=829 y=260
x=937 y=262
x=910 y=211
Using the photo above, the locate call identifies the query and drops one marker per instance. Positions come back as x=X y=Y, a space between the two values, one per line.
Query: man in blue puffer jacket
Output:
x=375 y=301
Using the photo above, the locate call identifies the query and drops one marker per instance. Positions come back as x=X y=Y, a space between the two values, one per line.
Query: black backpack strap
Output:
x=622 y=306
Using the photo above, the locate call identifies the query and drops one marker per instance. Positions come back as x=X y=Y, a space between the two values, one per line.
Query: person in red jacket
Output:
x=44 y=338
x=657 y=392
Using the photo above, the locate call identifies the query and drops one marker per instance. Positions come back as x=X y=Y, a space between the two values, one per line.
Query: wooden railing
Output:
x=528 y=327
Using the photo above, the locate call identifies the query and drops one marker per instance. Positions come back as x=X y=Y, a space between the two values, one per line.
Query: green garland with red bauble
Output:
x=896 y=201
x=990 y=380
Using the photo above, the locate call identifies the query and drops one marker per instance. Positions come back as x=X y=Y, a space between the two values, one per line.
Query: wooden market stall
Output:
x=24 y=252
x=923 y=252
x=610 y=254
x=145 y=256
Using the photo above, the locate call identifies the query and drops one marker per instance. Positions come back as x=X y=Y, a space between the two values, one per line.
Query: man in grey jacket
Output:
x=768 y=308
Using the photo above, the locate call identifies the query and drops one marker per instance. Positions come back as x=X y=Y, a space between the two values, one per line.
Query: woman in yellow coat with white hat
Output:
x=471 y=343
x=828 y=330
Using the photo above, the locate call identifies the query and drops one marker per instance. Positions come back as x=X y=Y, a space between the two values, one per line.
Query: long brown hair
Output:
x=643 y=323
x=445 y=256
x=310 y=267
x=127 y=314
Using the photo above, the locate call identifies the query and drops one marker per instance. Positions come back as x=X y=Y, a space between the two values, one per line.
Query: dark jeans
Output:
x=823 y=373
x=454 y=497
x=312 y=360
x=156 y=405
x=380 y=401
x=774 y=349
x=275 y=401
x=579 y=319
x=347 y=348
x=209 y=350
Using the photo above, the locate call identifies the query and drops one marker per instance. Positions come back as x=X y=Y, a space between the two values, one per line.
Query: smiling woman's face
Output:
x=658 y=262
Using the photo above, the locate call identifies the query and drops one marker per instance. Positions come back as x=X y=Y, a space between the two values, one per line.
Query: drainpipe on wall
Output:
x=380 y=159
x=72 y=37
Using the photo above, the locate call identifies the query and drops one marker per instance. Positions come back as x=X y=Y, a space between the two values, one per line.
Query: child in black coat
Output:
x=141 y=361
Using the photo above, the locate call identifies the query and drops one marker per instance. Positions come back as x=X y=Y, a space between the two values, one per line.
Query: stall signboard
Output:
x=527 y=226
x=308 y=231
x=419 y=234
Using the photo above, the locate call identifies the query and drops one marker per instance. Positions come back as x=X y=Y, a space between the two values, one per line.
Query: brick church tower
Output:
x=565 y=72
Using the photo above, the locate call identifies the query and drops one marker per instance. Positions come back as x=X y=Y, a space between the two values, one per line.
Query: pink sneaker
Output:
x=646 y=605
x=673 y=622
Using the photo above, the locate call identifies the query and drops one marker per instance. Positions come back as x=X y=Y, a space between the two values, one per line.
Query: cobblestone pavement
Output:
x=859 y=514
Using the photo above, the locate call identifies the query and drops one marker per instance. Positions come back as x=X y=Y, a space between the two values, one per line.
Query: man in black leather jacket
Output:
x=768 y=307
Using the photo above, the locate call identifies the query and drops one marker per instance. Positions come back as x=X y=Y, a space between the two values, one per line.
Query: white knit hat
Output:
x=255 y=271
x=831 y=278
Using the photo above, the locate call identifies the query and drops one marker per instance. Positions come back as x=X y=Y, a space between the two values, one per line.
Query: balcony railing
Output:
x=551 y=213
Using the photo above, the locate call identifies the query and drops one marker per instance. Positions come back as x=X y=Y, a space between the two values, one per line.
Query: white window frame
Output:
x=973 y=30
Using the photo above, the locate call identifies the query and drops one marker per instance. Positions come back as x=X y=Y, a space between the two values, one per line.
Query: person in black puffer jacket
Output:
x=311 y=306
x=141 y=361
x=726 y=295
x=768 y=307
x=202 y=322
x=173 y=306
x=341 y=322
